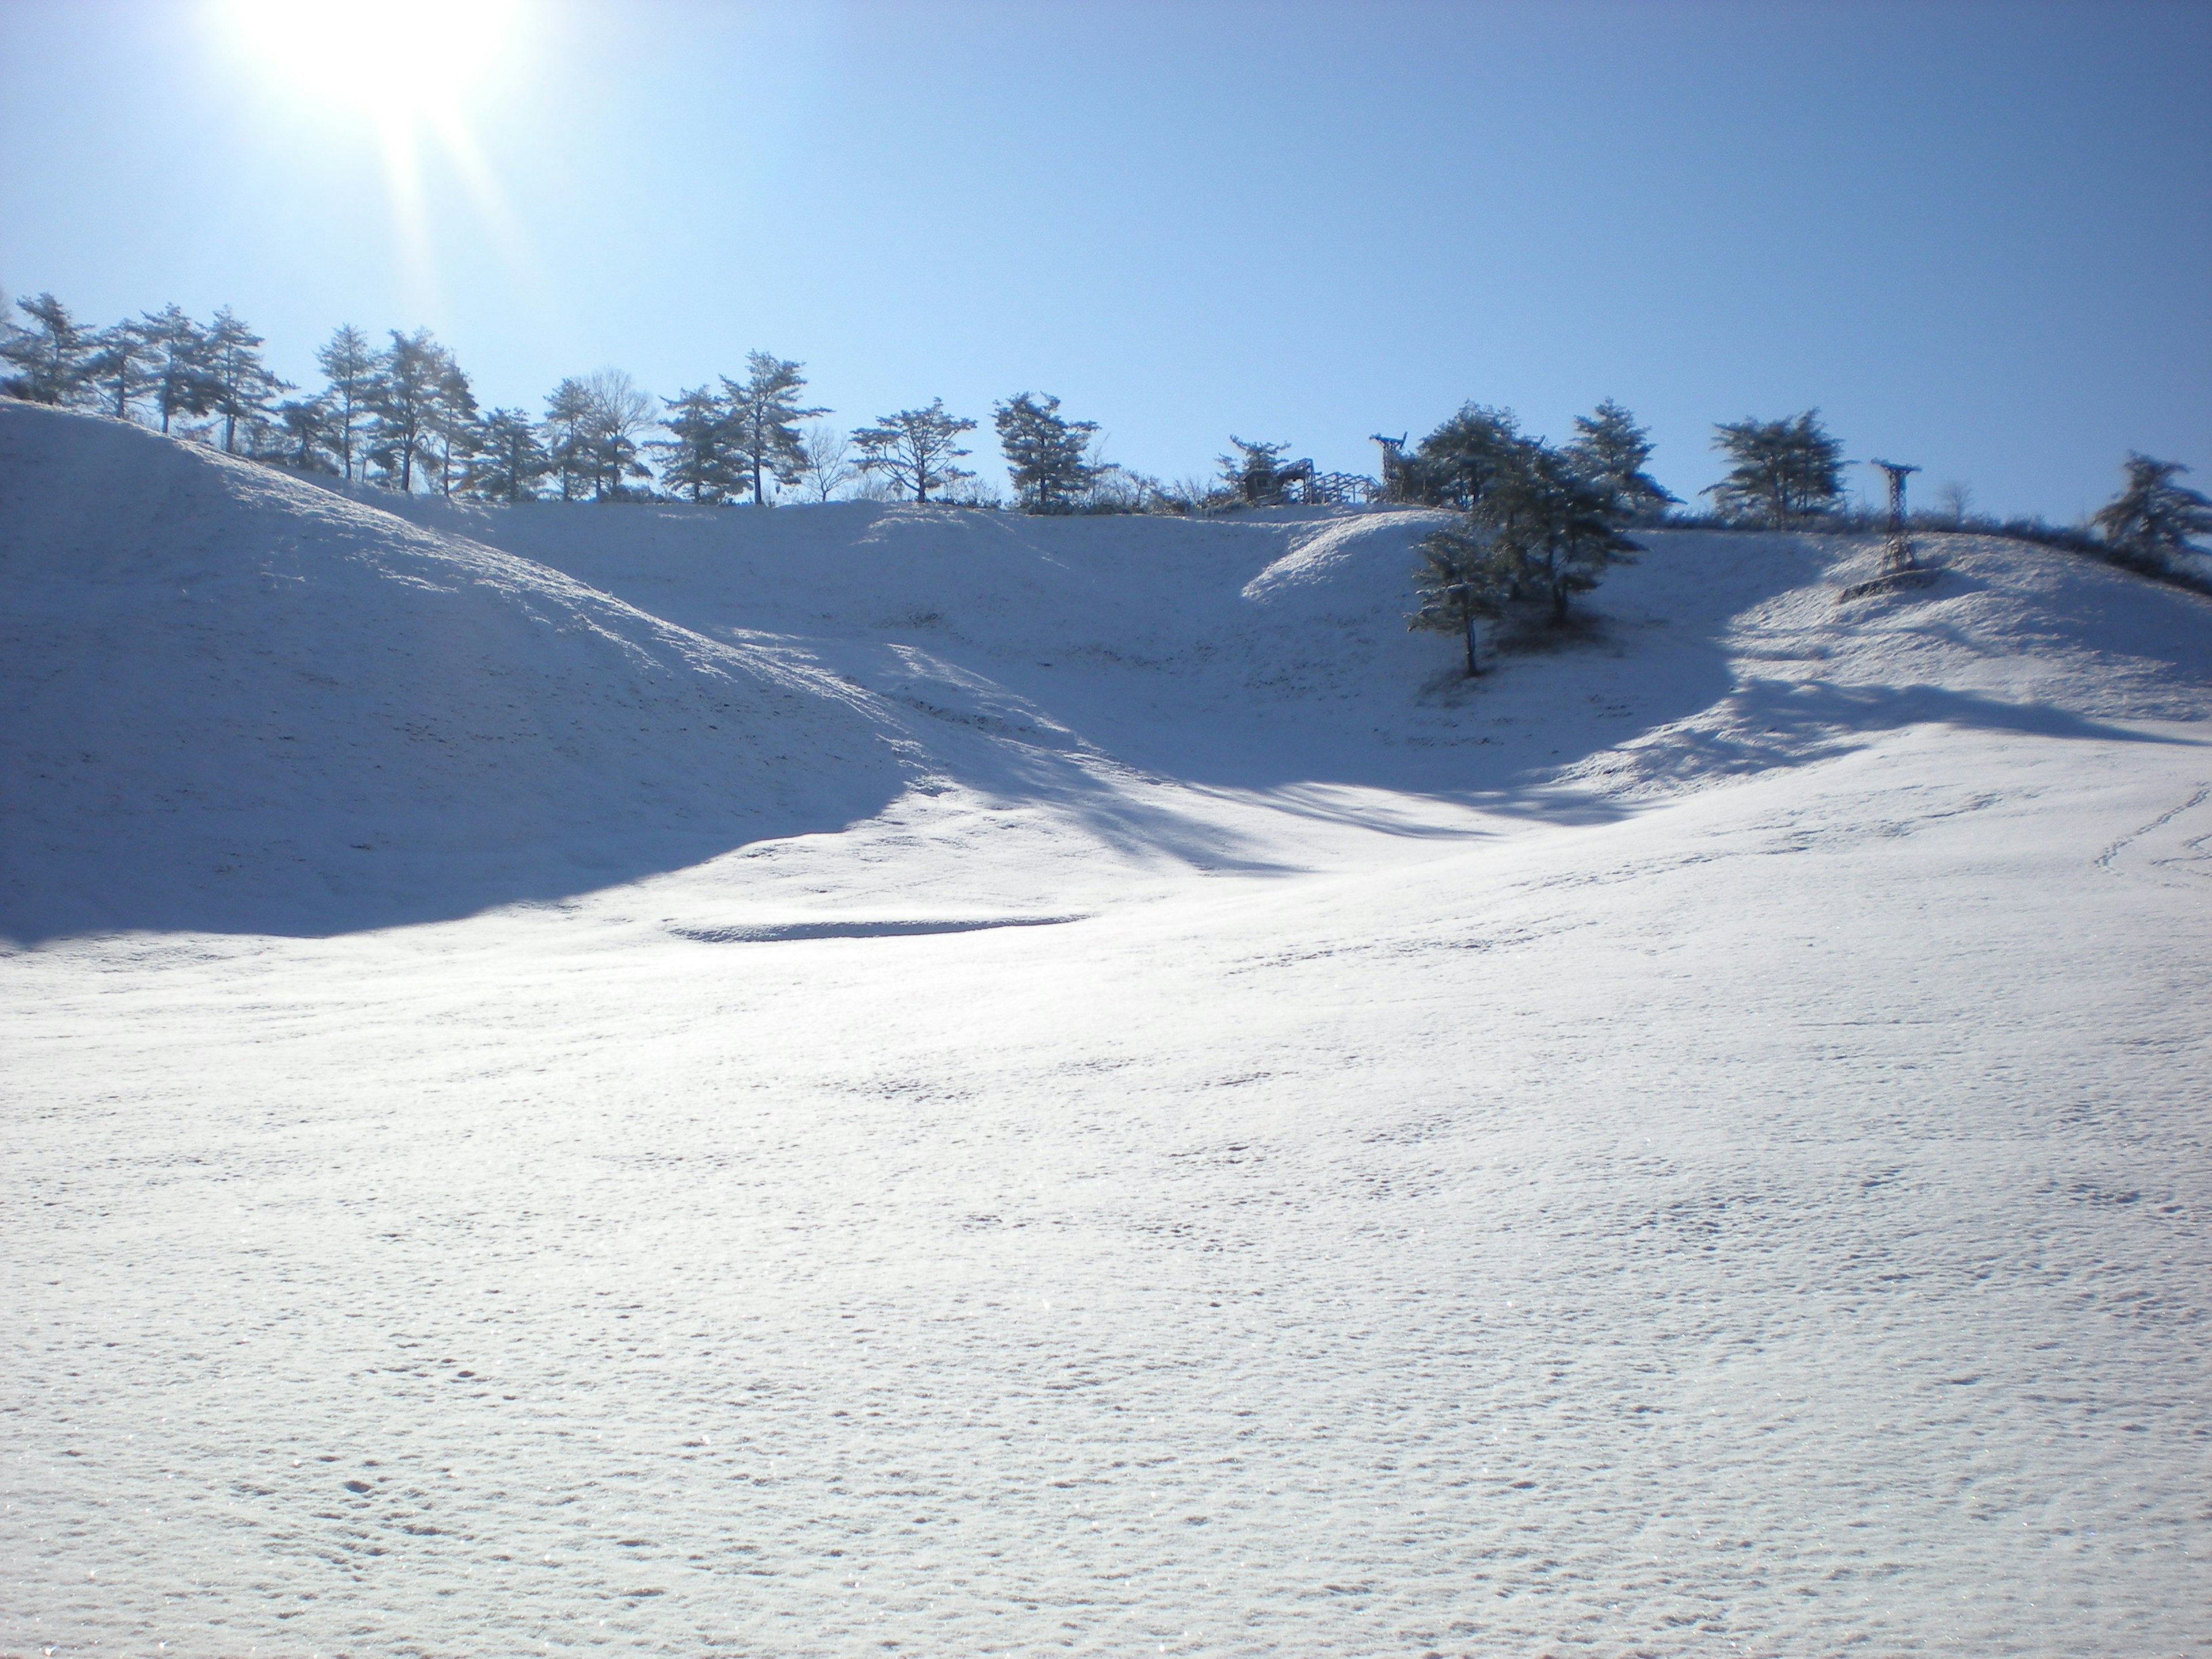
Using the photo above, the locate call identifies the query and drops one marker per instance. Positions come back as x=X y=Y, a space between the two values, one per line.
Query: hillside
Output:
x=1107 y=1102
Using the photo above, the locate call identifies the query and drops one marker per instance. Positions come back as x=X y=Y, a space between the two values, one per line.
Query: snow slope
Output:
x=1694 y=1144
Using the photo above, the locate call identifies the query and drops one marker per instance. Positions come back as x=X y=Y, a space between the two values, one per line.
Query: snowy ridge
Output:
x=1195 y=1132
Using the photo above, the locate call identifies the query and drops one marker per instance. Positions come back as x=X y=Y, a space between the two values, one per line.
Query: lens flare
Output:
x=393 y=59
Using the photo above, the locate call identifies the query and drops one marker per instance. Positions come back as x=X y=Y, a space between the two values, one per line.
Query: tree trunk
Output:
x=1471 y=671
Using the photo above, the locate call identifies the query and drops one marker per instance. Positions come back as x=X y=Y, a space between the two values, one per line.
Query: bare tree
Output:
x=825 y=461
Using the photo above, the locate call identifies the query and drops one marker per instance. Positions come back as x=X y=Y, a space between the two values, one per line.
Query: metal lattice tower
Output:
x=1899 y=555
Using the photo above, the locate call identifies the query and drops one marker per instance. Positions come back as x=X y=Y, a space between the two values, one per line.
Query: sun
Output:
x=392 y=59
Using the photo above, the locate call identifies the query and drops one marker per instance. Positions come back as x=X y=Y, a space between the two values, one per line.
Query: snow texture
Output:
x=654 y=1080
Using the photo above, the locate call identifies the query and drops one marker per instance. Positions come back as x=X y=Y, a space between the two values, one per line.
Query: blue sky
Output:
x=1978 y=236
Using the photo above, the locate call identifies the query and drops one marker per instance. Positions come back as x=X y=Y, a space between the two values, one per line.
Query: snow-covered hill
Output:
x=1106 y=1103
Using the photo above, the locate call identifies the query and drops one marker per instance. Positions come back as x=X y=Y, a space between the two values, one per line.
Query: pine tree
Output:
x=915 y=448
x=1552 y=529
x=177 y=348
x=243 y=386
x=2155 y=519
x=406 y=381
x=1455 y=463
x=1609 y=450
x=763 y=416
x=450 y=432
x=309 y=441
x=696 y=458
x=567 y=440
x=49 y=357
x=1780 y=471
x=1047 y=456
x=118 y=368
x=348 y=363
x=507 y=461
x=1460 y=581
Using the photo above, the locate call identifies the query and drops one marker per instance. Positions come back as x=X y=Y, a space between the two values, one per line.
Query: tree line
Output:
x=1535 y=522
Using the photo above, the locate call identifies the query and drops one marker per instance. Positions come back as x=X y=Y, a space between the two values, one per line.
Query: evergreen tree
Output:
x=1453 y=465
x=1609 y=450
x=1458 y=583
x=507 y=461
x=177 y=351
x=1551 y=530
x=119 y=368
x=915 y=448
x=696 y=457
x=2154 y=518
x=1047 y=456
x=406 y=381
x=450 y=431
x=243 y=387
x=49 y=355
x=568 y=441
x=348 y=363
x=763 y=416
x=1780 y=471
x=308 y=440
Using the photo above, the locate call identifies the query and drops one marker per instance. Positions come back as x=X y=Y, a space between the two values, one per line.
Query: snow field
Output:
x=1693 y=1144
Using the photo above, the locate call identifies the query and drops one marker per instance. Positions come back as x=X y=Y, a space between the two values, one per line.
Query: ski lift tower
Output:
x=1899 y=555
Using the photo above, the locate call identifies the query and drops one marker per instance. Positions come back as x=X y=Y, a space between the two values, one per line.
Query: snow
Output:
x=1110 y=1104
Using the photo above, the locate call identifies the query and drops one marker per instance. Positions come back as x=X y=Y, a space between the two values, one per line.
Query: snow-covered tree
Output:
x=349 y=364
x=178 y=368
x=450 y=432
x=1609 y=450
x=763 y=416
x=2154 y=518
x=696 y=458
x=1047 y=456
x=1455 y=463
x=243 y=386
x=1459 y=582
x=610 y=411
x=48 y=354
x=915 y=449
x=1780 y=471
x=507 y=461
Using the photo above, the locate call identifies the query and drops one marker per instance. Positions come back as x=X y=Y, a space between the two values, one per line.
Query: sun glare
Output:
x=392 y=59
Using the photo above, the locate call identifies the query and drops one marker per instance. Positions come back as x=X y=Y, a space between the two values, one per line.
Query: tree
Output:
x=695 y=456
x=827 y=467
x=915 y=448
x=1047 y=456
x=507 y=461
x=1453 y=465
x=242 y=387
x=764 y=421
x=568 y=441
x=610 y=411
x=49 y=357
x=309 y=442
x=1609 y=450
x=450 y=431
x=176 y=350
x=2154 y=518
x=1458 y=583
x=118 y=368
x=406 y=381
x=1782 y=471
x=348 y=363
x=1549 y=528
